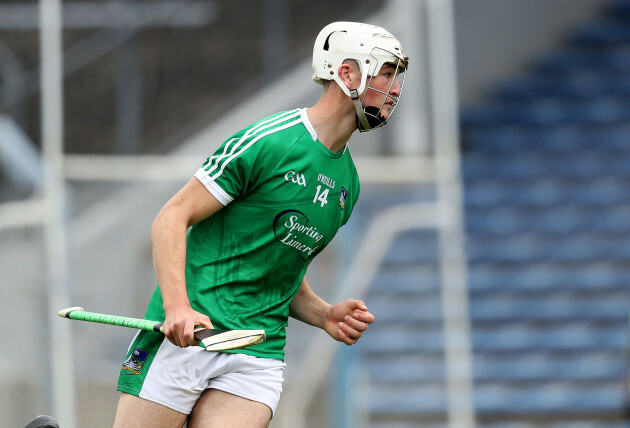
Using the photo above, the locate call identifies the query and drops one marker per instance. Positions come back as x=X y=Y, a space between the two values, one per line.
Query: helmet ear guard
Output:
x=371 y=47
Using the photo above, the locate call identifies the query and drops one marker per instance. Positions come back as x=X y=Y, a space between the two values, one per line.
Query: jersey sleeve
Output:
x=244 y=159
x=227 y=173
x=241 y=163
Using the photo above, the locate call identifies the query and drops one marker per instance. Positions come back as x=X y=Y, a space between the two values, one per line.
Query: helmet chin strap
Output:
x=369 y=121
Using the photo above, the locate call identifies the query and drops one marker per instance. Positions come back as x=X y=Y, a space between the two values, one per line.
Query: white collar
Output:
x=308 y=124
x=309 y=127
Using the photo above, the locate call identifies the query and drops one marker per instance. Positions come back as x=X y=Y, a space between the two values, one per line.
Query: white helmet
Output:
x=371 y=47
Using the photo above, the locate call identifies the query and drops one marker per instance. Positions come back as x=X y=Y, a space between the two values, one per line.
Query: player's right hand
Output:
x=180 y=324
x=347 y=321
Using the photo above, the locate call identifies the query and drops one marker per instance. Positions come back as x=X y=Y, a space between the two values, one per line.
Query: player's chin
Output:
x=385 y=111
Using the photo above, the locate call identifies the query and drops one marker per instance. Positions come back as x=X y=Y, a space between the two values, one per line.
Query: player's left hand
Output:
x=348 y=320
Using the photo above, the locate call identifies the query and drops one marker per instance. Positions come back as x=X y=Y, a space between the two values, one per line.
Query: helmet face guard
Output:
x=371 y=47
x=370 y=117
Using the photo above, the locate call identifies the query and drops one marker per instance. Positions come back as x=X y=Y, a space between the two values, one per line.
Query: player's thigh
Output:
x=137 y=412
x=220 y=409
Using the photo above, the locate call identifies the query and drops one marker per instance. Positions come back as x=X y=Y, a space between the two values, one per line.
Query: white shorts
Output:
x=178 y=376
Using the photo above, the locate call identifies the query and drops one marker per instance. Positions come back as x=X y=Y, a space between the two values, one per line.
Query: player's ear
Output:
x=349 y=74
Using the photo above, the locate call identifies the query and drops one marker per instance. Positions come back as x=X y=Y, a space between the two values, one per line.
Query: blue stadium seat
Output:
x=549 y=307
x=614 y=220
x=604 y=277
x=422 y=308
x=404 y=338
x=576 y=336
x=395 y=281
x=590 y=423
x=541 y=193
x=549 y=112
x=608 y=32
x=579 y=60
x=580 y=165
x=541 y=366
x=526 y=248
x=562 y=139
x=604 y=191
x=550 y=397
x=404 y=369
x=407 y=399
x=514 y=219
x=570 y=87
x=413 y=247
x=619 y=9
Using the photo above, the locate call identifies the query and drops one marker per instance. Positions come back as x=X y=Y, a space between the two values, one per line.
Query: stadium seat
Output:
x=573 y=87
x=537 y=366
x=607 y=32
x=393 y=281
x=405 y=369
x=407 y=400
x=561 y=397
x=578 y=60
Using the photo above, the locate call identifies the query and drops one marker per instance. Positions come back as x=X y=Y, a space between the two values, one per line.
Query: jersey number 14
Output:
x=320 y=196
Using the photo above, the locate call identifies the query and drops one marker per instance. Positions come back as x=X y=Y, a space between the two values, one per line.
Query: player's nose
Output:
x=395 y=91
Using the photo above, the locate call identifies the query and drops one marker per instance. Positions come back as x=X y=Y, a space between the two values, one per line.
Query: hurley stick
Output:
x=211 y=339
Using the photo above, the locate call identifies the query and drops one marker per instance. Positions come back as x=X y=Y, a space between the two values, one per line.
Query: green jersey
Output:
x=286 y=195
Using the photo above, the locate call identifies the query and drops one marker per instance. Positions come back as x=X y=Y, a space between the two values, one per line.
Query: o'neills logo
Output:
x=291 y=228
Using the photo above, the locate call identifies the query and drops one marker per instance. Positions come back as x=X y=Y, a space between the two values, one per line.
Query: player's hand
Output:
x=348 y=320
x=180 y=324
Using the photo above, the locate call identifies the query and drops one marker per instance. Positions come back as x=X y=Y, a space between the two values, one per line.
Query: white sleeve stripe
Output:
x=261 y=126
x=214 y=164
x=271 y=131
x=213 y=187
x=215 y=158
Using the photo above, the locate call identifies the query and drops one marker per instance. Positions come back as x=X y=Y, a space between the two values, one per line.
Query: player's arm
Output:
x=345 y=321
x=192 y=204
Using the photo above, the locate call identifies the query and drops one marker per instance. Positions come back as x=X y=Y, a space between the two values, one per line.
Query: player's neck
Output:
x=333 y=121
